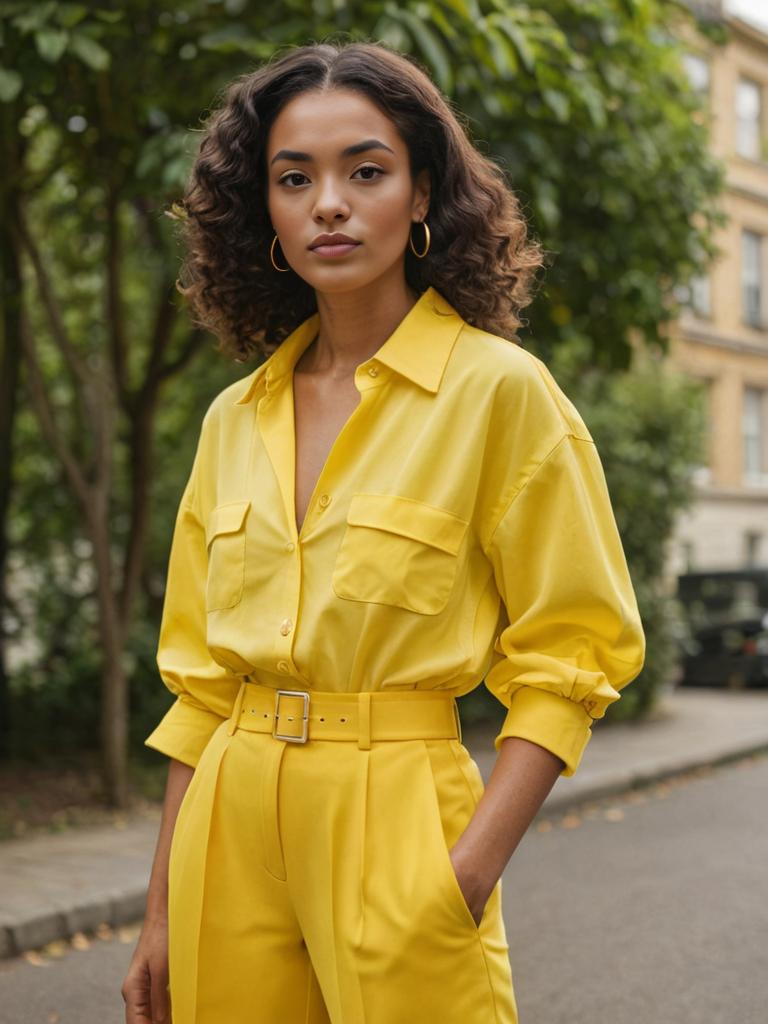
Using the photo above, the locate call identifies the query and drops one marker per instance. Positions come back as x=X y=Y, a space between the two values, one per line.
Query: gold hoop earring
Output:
x=427 y=238
x=272 y=257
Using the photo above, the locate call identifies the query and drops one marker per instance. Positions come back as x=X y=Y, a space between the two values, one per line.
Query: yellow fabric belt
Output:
x=301 y=715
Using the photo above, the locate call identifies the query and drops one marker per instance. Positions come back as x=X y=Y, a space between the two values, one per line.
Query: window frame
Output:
x=758 y=308
x=756 y=151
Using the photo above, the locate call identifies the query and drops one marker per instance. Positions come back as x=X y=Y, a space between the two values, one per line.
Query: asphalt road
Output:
x=648 y=907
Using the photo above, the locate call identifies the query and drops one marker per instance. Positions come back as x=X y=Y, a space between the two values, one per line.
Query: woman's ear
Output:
x=421 y=195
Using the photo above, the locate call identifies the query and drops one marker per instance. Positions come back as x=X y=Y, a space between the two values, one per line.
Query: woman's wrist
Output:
x=156 y=908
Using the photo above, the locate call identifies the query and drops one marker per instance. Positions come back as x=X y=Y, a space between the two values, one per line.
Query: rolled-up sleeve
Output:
x=205 y=692
x=573 y=636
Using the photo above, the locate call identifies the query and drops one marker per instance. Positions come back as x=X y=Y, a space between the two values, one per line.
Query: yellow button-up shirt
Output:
x=460 y=532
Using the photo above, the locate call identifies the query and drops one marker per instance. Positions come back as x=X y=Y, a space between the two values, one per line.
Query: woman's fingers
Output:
x=159 y=995
x=136 y=994
x=145 y=989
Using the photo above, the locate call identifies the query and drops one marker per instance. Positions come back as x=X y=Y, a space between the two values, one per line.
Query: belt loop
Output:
x=364 y=720
x=236 y=710
x=456 y=716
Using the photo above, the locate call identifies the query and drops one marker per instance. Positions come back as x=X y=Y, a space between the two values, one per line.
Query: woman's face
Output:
x=314 y=187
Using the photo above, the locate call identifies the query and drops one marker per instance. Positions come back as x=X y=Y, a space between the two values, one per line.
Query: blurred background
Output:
x=635 y=133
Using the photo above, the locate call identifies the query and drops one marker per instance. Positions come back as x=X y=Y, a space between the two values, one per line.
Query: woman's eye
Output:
x=368 y=167
x=292 y=174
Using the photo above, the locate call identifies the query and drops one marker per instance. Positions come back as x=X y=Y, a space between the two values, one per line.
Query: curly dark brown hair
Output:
x=480 y=258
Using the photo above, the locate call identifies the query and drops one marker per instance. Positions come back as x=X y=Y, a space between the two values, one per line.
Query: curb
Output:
x=640 y=778
x=63 y=922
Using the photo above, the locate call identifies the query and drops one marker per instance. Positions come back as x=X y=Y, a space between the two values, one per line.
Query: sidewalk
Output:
x=53 y=886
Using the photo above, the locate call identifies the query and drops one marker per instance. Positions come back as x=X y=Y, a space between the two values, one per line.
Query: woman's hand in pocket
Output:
x=473 y=883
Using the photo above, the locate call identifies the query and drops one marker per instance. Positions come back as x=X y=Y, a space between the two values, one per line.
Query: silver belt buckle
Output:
x=305 y=718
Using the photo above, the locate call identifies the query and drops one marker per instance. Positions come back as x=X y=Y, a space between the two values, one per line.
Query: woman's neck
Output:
x=354 y=325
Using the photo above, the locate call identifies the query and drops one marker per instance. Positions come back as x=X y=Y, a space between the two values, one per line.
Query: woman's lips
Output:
x=339 y=249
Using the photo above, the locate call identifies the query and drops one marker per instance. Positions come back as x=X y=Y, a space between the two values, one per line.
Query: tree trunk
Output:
x=10 y=373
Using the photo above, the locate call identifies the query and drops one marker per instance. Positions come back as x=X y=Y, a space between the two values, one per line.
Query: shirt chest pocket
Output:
x=225 y=539
x=398 y=551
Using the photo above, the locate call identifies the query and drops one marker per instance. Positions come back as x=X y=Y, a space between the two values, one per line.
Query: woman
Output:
x=399 y=503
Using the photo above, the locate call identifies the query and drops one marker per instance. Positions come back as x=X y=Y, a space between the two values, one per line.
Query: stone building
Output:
x=722 y=336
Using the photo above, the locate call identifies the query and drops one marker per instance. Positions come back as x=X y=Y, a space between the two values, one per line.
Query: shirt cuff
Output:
x=560 y=725
x=184 y=731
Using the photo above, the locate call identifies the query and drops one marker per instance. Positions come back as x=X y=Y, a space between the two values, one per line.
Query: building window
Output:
x=700 y=298
x=695 y=295
x=687 y=551
x=749 y=117
x=701 y=472
x=754 y=429
x=752 y=542
x=751 y=277
x=697 y=69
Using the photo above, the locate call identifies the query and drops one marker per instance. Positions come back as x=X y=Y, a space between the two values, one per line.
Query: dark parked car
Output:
x=726 y=613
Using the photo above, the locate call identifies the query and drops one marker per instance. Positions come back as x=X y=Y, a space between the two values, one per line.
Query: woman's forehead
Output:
x=332 y=120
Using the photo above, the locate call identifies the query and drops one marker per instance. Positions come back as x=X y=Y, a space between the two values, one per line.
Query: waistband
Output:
x=298 y=716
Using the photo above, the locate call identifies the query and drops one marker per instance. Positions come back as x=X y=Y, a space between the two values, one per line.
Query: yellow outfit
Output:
x=460 y=531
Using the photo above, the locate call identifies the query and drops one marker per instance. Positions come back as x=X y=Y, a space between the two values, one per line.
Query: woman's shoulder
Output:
x=520 y=383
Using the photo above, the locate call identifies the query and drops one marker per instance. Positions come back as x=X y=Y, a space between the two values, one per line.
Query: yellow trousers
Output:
x=311 y=882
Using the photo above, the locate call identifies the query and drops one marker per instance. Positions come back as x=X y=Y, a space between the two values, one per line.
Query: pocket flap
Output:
x=226 y=519
x=410 y=518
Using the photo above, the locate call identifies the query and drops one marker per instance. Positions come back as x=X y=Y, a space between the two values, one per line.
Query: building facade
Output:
x=722 y=336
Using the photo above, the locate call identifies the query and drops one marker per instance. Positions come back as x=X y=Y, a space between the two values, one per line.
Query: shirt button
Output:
x=372 y=371
x=290 y=546
x=286 y=626
x=323 y=500
x=283 y=666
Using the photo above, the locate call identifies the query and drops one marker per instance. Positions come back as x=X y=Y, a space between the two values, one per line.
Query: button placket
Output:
x=286 y=625
x=284 y=645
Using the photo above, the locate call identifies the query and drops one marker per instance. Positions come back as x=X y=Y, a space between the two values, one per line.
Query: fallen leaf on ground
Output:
x=56 y=948
x=34 y=958
x=128 y=933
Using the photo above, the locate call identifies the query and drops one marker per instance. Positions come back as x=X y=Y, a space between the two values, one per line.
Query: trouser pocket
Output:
x=418 y=804
x=419 y=943
x=452 y=797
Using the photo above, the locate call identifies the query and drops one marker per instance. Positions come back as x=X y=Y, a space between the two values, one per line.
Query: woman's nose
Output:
x=330 y=202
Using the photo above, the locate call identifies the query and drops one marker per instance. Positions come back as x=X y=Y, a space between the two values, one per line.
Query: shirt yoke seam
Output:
x=523 y=486
x=557 y=396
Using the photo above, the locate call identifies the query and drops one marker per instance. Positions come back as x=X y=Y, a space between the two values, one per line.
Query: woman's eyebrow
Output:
x=358 y=147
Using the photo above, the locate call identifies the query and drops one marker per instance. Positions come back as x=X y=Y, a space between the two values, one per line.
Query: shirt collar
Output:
x=418 y=348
